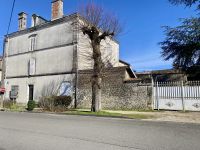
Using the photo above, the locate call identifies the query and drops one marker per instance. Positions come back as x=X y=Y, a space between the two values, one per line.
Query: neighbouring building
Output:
x=1 y=59
x=167 y=75
x=47 y=56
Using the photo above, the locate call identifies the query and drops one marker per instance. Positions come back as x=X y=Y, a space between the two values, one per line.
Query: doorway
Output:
x=31 y=91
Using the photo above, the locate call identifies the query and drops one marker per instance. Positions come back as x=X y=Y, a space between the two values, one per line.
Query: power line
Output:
x=11 y=14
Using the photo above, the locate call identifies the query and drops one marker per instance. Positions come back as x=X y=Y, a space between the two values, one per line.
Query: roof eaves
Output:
x=44 y=25
x=124 y=62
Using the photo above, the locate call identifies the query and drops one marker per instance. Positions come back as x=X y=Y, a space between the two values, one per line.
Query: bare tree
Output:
x=98 y=25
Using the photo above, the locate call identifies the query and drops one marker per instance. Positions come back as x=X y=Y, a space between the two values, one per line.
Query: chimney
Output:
x=22 y=21
x=57 y=9
x=37 y=20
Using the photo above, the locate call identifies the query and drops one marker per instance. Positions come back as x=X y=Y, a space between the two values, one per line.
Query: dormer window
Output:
x=32 y=39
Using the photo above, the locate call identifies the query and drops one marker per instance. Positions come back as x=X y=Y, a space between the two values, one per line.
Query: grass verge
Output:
x=107 y=114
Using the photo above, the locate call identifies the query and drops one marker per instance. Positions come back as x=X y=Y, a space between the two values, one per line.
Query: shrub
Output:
x=12 y=105
x=62 y=100
x=55 y=103
x=30 y=105
x=46 y=103
x=8 y=104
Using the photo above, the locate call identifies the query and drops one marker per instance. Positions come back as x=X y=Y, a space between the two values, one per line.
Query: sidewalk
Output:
x=173 y=116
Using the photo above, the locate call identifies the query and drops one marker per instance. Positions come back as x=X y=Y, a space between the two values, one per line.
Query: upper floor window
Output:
x=31 y=67
x=32 y=39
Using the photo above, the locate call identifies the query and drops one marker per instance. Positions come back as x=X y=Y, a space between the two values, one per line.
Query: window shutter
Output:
x=32 y=66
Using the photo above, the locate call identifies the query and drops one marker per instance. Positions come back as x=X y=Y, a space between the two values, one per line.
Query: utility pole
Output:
x=3 y=75
x=5 y=45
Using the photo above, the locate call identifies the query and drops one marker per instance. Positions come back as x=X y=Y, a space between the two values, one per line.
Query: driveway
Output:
x=27 y=131
x=174 y=116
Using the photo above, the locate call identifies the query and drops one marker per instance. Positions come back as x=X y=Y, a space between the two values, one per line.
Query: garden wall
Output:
x=117 y=92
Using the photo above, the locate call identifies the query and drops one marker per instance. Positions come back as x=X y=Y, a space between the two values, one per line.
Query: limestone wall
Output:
x=41 y=84
x=116 y=93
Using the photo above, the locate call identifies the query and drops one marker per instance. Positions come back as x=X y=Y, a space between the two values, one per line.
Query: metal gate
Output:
x=177 y=95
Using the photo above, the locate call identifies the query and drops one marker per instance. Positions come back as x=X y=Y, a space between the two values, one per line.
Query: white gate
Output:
x=177 y=95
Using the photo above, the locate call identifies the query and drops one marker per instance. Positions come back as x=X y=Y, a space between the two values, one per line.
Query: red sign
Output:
x=2 y=90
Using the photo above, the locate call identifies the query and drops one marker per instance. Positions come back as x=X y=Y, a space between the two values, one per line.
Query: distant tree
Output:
x=188 y=3
x=98 y=26
x=182 y=43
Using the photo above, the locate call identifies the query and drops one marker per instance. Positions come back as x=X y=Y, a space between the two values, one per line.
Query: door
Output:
x=31 y=91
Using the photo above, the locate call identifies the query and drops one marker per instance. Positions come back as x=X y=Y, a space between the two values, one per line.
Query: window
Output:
x=31 y=67
x=109 y=56
x=32 y=42
x=14 y=92
x=66 y=89
x=109 y=50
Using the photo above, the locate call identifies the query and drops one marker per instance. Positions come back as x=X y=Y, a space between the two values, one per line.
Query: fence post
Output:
x=182 y=96
x=152 y=94
x=157 y=98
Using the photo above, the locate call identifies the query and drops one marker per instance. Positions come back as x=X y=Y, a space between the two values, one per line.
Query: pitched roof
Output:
x=166 y=71
x=123 y=62
x=44 y=25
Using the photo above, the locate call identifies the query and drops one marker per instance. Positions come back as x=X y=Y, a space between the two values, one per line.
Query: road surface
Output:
x=28 y=131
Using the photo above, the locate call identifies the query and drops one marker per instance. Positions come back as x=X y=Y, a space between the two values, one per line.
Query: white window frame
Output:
x=32 y=66
x=33 y=40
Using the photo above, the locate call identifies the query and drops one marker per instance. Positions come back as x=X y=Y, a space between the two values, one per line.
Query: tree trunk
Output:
x=96 y=78
x=96 y=95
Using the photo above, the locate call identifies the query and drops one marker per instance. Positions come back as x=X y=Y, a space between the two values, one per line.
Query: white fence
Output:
x=177 y=95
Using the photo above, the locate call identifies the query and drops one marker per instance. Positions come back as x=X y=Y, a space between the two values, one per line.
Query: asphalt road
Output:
x=27 y=131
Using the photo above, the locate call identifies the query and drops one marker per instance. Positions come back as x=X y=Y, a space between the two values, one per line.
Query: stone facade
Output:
x=48 y=51
x=117 y=92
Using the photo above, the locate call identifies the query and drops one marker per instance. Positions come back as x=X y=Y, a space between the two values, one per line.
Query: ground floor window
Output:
x=14 y=92
x=66 y=89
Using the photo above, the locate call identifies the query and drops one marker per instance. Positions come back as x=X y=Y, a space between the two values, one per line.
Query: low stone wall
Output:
x=116 y=93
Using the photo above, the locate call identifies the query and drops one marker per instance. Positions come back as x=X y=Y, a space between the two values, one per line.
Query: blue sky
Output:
x=142 y=19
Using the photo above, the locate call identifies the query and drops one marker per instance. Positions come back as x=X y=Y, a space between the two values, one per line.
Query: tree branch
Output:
x=106 y=34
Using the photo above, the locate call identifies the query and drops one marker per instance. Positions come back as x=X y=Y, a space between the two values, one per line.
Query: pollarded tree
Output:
x=98 y=25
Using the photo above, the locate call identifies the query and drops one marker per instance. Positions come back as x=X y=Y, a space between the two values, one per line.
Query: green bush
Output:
x=55 y=103
x=30 y=105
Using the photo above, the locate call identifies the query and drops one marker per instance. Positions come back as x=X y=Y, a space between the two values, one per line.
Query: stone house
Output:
x=51 y=54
